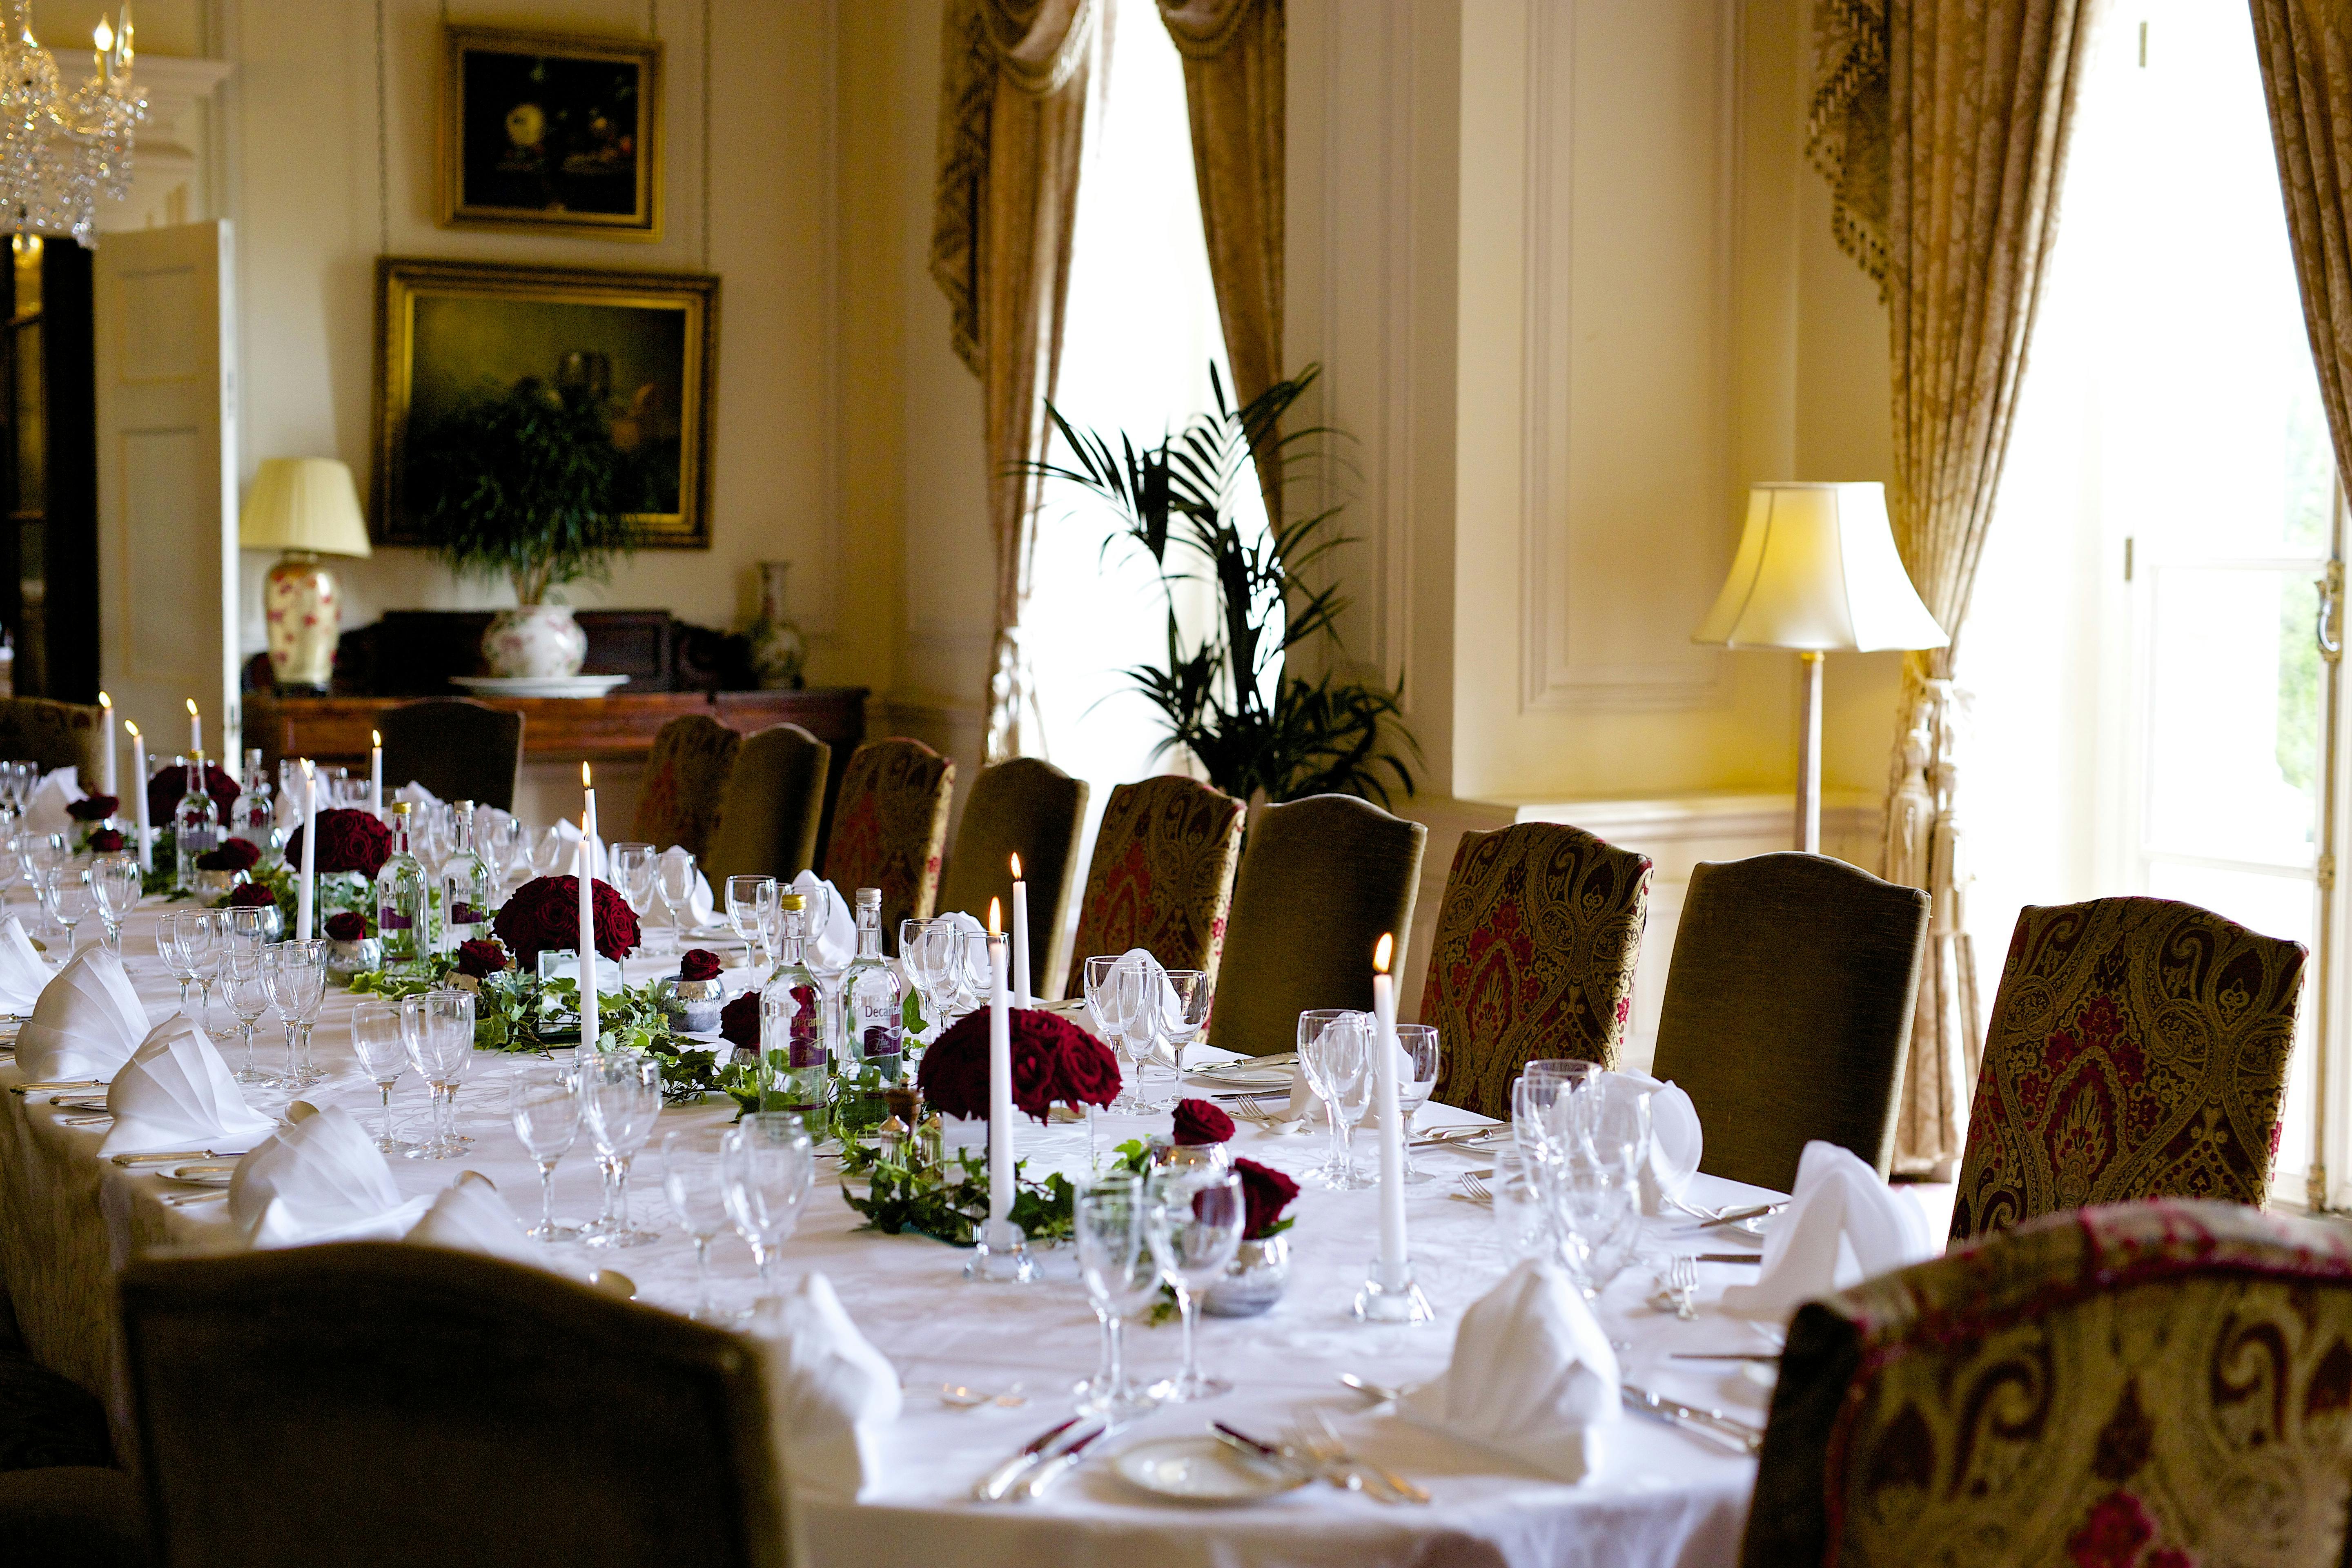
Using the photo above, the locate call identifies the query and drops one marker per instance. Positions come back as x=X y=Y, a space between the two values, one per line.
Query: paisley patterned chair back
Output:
x=1162 y=874
x=2138 y=1049
x=1533 y=956
x=54 y=734
x=890 y=828
x=1029 y=808
x=457 y=748
x=693 y=757
x=2153 y=1385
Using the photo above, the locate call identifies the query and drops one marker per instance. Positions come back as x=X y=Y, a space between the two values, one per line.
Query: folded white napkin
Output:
x=830 y=1391
x=87 y=1022
x=414 y=794
x=1677 y=1141
x=176 y=1093
x=23 y=973
x=701 y=907
x=569 y=831
x=836 y=944
x=1842 y=1226
x=322 y=1179
x=1532 y=1377
x=45 y=812
x=469 y=1217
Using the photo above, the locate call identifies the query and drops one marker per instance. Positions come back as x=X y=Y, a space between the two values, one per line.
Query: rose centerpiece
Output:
x=350 y=949
x=352 y=847
x=1054 y=1062
x=1199 y=1137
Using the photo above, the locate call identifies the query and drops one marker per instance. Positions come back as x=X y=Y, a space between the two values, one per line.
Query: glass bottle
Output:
x=196 y=823
x=404 y=911
x=253 y=817
x=468 y=890
x=873 y=999
x=791 y=1028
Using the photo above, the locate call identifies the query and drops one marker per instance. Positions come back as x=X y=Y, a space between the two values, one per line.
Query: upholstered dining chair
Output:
x=1162 y=876
x=2138 y=1049
x=374 y=1402
x=1533 y=956
x=2155 y=1384
x=1788 y=1010
x=685 y=789
x=54 y=734
x=1321 y=879
x=1028 y=808
x=890 y=828
x=775 y=799
x=454 y=746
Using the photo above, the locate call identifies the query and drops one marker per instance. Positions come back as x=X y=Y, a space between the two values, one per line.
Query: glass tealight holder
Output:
x=563 y=964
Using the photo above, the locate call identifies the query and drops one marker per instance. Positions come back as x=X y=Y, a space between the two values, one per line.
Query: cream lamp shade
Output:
x=1817 y=569
x=303 y=503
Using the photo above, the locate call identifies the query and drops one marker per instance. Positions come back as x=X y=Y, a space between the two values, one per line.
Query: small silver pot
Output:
x=345 y=959
x=1252 y=1282
x=214 y=884
x=694 y=1004
x=1167 y=1154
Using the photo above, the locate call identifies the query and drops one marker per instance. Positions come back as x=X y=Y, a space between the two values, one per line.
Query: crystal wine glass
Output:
x=1416 y=1082
x=1122 y=1280
x=203 y=935
x=1112 y=997
x=1543 y=1102
x=678 y=881
x=1335 y=1051
x=383 y=1052
x=116 y=881
x=1180 y=1013
x=73 y=901
x=770 y=1164
x=694 y=1180
x=620 y=1099
x=749 y=901
x=174 y=953
x=1193 y=1218
x=248 y=995
x=296 y=973
x=544 y=1103
x=632 y=873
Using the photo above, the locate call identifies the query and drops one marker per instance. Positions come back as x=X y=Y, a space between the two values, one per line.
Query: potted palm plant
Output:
x=525 y=483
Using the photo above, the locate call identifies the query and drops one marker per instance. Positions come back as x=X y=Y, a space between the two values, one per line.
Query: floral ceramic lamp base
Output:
x=305 y=613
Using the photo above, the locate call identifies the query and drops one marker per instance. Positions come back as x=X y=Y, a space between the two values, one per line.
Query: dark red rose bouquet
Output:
x=164 y=789
x=1199 y=1122
x=544 y=915
x=345 y=925
x=348 y=840
x=92 y=808
x=1052 y=1059
x=738 y=1021
x=106 y=841
x=480 y=959
x=256 y=895
x=1265 y=1193
x=700 y=963
x=233 y=855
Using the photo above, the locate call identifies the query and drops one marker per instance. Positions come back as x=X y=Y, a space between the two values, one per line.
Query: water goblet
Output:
x=1112 y=997
x=620 y=1099
x=694 y=1180
x=544 y=1103
x=296 y=973
x=679 y=881
x=1335 y=1053
x=73 y=901
x=383 y=1052
x=750 y=902
x=769 y=1165
x=1416 y=1082
x=1192 y=1219
x=1122 y=1280
x=248 y=995
x=1180 y=1012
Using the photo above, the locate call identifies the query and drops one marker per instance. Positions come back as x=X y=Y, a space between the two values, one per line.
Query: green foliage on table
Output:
x=944 y=1201
x=1229 y=696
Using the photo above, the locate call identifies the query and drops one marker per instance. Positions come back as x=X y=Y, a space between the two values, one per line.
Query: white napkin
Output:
x=176 y=1093
x=322 y=1179
x=830 y=1391
x=836 y=944
x=1842 y=1226
x=1532 y=1377
x=470 y=1216
x=414 y=794
x=45 y=812
x=1677 y=1141
x=569 y=831
x=23 y=973
x=701 y=907
x=86 y=1024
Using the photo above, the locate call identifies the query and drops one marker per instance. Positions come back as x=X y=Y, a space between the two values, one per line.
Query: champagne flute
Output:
x=544 y=1104
x=1193 y=1218
x=770 y=1164
x=383 y=1052
x=694 y=1180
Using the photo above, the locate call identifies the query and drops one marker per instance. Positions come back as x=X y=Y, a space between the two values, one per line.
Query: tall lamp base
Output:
x=304 y=609
x=1809 y=752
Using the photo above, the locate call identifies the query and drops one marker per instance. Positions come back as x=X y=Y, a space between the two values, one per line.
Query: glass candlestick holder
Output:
x=1390 y=1295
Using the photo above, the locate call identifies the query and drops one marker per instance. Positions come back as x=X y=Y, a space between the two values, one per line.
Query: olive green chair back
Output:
x=1031 y=808
x=370 y=1404
x=774 y=802
x=56 y=735
x=685 y=784
x=1321 y=880
x=1788 y=1010
x=454 y=746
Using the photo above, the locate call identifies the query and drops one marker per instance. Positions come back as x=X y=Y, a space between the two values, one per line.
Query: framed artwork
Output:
x=551 y=134
x=641 y=346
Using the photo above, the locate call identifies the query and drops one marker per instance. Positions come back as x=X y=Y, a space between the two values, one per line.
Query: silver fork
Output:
x=1477 y=1188
x=1314 y=1434
x=1681 y=1283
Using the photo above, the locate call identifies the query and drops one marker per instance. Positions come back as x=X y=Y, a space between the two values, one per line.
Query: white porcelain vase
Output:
x=538 y=641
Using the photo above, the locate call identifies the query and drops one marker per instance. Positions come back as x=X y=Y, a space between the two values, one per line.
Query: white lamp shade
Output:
x=303 y=503
x=1817 y=568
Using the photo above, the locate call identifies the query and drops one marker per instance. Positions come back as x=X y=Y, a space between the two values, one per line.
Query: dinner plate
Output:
x=205 y=1173
x=1202 y=1470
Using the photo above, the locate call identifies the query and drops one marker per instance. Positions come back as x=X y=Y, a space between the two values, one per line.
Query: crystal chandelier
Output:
x=59 y=153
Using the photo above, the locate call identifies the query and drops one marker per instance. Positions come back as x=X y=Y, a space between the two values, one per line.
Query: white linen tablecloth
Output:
x=67 y=1221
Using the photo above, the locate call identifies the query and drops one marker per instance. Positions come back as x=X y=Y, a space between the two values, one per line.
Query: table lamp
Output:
x=307 y=507
x=1818 y=571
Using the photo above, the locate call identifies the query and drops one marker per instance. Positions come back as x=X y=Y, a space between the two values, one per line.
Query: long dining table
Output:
x=1661 y=1494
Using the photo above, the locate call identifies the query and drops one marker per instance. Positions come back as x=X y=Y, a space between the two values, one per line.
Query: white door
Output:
x=167 y=482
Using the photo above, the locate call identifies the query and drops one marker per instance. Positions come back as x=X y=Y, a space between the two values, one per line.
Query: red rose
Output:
x=105 y=841
x=256 y=895
x=478 y=959
x=1265 y=1193
x=1089 y=1071
x=92 y=808
x=738 y=1021
x=1199 y=1122
x=164 y=789
x=345 y=925
x=348 y=840
x=701 y=963
x=1052 y=1059
x=953 y=1078
x=233 y=855
x=544 y=915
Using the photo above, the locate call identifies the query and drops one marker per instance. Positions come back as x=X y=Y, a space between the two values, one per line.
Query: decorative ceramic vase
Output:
x=535 y=641
x=345 y=959
x=1252 y=1282
x=298 y=601
x=778 y=650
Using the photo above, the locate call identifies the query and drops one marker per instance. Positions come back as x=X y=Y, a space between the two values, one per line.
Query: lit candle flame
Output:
x=1382 y=950
x=191 y=707
x=1016 y=868
x=103 y=36
x=305 y=770
x=995 y=918
x=132 y=728
x=104 y=700
x=586 y=780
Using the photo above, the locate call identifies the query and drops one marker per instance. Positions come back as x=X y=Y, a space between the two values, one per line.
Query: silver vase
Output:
x=1252 y=1282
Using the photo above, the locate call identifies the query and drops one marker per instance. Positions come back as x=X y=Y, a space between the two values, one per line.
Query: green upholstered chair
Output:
x=2138 y=1049
x=457 y=748
x=374 y=1402
x=1321 y=880
x=1533 y=956
x=1162 y=878
x=1788 y=1010
x=2158 y=1385
x=890 y=828
x=54 y=734
x=684 y=786
x=1031 y=808
x=775 y=801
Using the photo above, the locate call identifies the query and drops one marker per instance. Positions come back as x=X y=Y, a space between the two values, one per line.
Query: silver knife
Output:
x=1712 y=1422
x=1072 y=1455
x=998 y=1481
x=1736 y=1216
x=169 y=1155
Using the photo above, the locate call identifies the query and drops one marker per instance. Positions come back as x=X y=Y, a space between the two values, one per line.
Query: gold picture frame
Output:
x=551 y=133
x=644 y=344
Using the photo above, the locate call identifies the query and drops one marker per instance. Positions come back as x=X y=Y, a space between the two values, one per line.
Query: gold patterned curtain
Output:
x=1016 y=81
x=1943 y=126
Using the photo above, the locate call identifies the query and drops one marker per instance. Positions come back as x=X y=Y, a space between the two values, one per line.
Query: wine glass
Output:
x=503 y=841
x=425 y=1043
x=544 y=1104
x=1179 y=1012
x=45 y=856
x=620 y=1099
x=550 y=853
x=296 y=973
x=115 y=880
x=679 y=881
x=1416 y=1082
x=203 y=935
x=749 y=901
x=73 y=901
x=633 y=874
x=1543 y=1102
x=248 y=995
x=1112 y=997
x=1193 y=1218
x=1122 y=1279
x=174 y=953
x=383 y=1052
x=1335 y=1052
x=932 y=954
x=694 y=1180
x=769 y=1165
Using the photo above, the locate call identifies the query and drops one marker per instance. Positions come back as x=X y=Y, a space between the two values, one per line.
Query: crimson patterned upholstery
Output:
x=2138 y=1049
x=890 y=828
x=1533 y=957
x=692 y=758
x=2152 y=1385
x=54 y=734
x=1162 y=874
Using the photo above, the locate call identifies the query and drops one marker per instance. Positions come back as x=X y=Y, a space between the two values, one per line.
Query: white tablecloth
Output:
x=1662 y=1496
